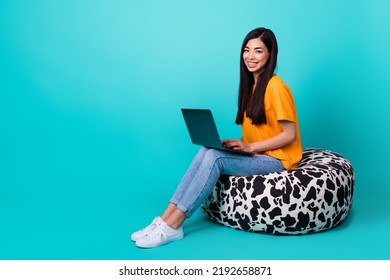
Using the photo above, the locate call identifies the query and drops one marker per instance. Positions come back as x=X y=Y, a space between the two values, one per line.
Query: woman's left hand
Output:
x=236 y=144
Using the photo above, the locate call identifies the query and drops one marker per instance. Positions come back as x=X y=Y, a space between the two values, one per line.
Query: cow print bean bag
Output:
x=314 y=197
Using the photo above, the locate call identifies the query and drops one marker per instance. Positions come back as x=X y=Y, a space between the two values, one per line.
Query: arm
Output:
x=287 y=136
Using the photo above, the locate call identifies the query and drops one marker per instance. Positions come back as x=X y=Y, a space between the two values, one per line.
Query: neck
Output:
x=256 y=77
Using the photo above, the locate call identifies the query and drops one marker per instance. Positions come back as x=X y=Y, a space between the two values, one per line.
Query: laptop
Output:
x=203 y=131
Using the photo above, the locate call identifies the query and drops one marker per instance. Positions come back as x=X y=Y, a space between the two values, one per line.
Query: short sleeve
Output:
x=282 y=102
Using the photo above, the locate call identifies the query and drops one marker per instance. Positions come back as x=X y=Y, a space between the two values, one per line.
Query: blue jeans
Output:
x=208 y=165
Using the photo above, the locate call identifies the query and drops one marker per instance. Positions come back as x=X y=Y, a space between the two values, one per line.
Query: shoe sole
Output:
x=162 y=244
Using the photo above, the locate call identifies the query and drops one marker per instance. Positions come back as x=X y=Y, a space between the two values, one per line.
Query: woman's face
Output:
x=255 y=56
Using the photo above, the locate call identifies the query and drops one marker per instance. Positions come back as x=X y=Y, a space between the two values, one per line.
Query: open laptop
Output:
x=203 y=131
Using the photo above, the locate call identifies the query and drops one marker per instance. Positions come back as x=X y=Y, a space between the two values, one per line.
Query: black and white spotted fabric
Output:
x=315 y=196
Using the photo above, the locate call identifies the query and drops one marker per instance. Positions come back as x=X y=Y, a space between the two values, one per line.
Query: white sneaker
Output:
x=141 y=233
x=160 y=235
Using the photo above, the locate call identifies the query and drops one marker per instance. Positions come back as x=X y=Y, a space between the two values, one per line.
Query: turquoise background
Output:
x=93 y=144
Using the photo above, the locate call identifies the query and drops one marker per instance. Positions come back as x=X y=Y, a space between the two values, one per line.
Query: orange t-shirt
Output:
x=279 y=105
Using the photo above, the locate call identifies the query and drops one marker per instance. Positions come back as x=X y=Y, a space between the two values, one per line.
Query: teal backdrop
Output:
x=93 y=144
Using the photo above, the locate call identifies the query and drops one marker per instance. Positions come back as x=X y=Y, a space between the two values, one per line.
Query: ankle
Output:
x=175 y=225
x=176 y=219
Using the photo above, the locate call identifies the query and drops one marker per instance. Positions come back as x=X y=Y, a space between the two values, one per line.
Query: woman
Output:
x=267 y=115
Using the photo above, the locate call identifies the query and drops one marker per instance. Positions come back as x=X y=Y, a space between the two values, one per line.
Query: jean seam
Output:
x=190 y=208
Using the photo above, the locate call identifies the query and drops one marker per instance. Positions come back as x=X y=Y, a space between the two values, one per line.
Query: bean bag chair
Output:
x=314 y=197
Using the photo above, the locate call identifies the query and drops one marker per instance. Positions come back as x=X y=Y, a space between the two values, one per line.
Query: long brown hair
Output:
x=253 y=104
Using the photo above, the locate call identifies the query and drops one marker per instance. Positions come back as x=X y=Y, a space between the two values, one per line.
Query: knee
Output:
x=202 y=152
x=212 y=155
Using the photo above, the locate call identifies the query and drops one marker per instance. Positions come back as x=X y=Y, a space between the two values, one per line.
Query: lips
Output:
x=251 y=64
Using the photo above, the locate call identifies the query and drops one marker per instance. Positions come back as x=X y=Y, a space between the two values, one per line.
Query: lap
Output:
x=242 y=165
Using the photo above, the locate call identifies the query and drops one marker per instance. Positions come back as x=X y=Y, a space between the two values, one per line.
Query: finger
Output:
x=233 y=144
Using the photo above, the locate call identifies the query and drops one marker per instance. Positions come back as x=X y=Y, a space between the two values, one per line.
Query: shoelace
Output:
x=152 y=226
x=157 y=232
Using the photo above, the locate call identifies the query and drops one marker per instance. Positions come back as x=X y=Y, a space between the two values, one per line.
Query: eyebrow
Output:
x=257 y=48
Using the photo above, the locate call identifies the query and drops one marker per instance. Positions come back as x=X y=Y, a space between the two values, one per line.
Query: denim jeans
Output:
x=208 y=165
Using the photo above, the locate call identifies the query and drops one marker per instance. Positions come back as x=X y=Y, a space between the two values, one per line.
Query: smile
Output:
x=252 y=64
